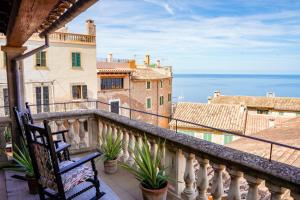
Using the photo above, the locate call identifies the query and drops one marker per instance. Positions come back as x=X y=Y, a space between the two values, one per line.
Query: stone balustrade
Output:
x=201 y=170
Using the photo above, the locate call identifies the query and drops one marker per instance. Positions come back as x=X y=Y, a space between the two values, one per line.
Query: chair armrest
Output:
x=79 y=162
x=60 y=132
x=62 y=147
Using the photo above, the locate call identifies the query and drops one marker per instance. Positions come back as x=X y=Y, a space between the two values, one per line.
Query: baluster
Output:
x=130 y=160
x=113 y=132
x=217 y=189
x=234 y=189
x=138 y=145
x=153 y=149
x=60 y=127
x=253 y=183
x=180 y=165
x=202 y=182
x=104 y=133
x=125 y=155
x=100 y=129
x=163 y=156
x=120 y=137
x=82 y=142
x=109 y=129
x=71 y=133
x=276 y=191
x=189 y=179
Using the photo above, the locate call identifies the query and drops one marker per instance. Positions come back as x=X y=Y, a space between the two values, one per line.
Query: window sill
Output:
x=41 y=68
x=76 y=68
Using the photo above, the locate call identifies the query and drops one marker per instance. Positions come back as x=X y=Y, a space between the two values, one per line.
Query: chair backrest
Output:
x=42 y=152
x=20 y=116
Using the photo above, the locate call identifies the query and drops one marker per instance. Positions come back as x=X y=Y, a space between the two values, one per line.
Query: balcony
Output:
x=201 y=169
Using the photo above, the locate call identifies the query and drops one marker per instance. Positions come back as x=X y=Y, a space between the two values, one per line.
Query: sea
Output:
x=198 y=87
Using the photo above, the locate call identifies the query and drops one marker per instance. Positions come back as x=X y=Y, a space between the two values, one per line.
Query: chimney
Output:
x=209 y=99
x=271 y=122
x=109 y=57
x=270 y=94
x=242 y=108
x=90 y=27
x=217 y=93
x=147 y=60
x=158 y=63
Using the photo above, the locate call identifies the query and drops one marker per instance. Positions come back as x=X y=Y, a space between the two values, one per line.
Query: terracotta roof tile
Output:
x=226 y=117
x=148 y=74
x=277 y=103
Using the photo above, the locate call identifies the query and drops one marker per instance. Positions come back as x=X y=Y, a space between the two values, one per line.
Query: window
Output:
x=207 y=136
x=76 y=60
x=281 y=113
x=41 y=59
x=148 y=85
x=161 y=100
x=115 y=107
x=191 y=133
x=42 y=99
x=265 y=112
x=4 y=59
x=79 y=92
x=160 y=83
x=298 y=114
x=169 y=97
x=112 y=83
x=149 y=103
x=228 y=138
x=6 y=102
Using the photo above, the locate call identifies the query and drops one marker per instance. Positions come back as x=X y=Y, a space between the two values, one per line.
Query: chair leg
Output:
x=96 y=180
x=41 y=192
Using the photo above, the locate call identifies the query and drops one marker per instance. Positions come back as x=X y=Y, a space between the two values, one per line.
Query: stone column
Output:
x=202 y=182
x=100 y=139
x=276 y=191
x=253 y=183
x=82 y=143
x=189 y=192
x=217 y=189
x=234 y=188
x=180 y=165
x=130 y=160
x=15 y=85
x=60 y=127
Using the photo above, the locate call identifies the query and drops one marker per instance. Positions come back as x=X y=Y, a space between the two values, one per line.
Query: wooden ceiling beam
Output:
x=30 y=15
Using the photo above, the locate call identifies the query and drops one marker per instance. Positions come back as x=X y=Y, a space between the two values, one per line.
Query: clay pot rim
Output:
x=155 y=190
x=111 y=160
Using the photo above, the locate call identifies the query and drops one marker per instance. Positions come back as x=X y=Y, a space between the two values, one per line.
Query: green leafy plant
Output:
x=111 y=148
x=7 y=135
x=23 y=161
x=149 y=170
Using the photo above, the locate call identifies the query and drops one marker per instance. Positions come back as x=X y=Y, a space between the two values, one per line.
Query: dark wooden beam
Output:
x=26 y=21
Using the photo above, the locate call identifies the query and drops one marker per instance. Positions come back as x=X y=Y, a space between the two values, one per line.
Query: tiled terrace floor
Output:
x=120 y=186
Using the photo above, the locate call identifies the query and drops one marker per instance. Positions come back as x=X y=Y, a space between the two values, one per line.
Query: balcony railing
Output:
x=197 y=166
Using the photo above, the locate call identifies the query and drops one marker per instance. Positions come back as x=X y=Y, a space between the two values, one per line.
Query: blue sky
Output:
x=201 y=36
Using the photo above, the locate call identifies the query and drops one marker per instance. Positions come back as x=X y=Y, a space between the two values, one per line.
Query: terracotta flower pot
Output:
x=111 y=166
x=32 y=185
x=158 y=194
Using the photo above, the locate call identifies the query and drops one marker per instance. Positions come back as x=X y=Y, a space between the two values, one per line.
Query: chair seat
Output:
x=61 y=145
x=76 y=175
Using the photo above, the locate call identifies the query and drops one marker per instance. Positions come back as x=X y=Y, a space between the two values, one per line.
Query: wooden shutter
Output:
x=46 y=98
x=78 y=60
x=43 y=58
x=38 y=59
x=84 y=92
x=73 y=59
x=38 y=99
x=74 y=92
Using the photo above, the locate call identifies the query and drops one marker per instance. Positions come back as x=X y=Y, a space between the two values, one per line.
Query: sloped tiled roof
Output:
x=257 y=122
x=286 y=133
x=225 y=117
x=276 y=103
x=148 y=74
x=113 y=67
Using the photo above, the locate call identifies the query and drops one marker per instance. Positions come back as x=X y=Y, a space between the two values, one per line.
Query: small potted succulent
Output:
x=7 y=136
x=111 y=150
x=23 y=163
x=150 y=173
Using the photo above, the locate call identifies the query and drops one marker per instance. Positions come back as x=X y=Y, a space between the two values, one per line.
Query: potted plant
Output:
x=111 y=150
x=23 y=163
x=150 y=173
x=7 y=136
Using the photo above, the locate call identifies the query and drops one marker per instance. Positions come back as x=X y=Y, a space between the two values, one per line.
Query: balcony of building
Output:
x=200 y=169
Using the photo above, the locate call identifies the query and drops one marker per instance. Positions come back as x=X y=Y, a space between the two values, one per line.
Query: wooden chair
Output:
x=61 y=146
x=56 y=180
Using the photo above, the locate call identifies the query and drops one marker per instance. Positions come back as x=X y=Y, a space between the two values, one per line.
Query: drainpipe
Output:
x=17 y=65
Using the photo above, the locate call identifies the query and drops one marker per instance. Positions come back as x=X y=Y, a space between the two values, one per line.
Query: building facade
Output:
x=66 y=71
x=148 y=88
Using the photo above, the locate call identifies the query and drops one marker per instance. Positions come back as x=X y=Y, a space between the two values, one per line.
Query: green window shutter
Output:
x=84 y=92
x=78 y=61
x=228 y=138
x=73 y=59
x=148 y=103
x=43 y=58
x=38 y=59
x=207 y=137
